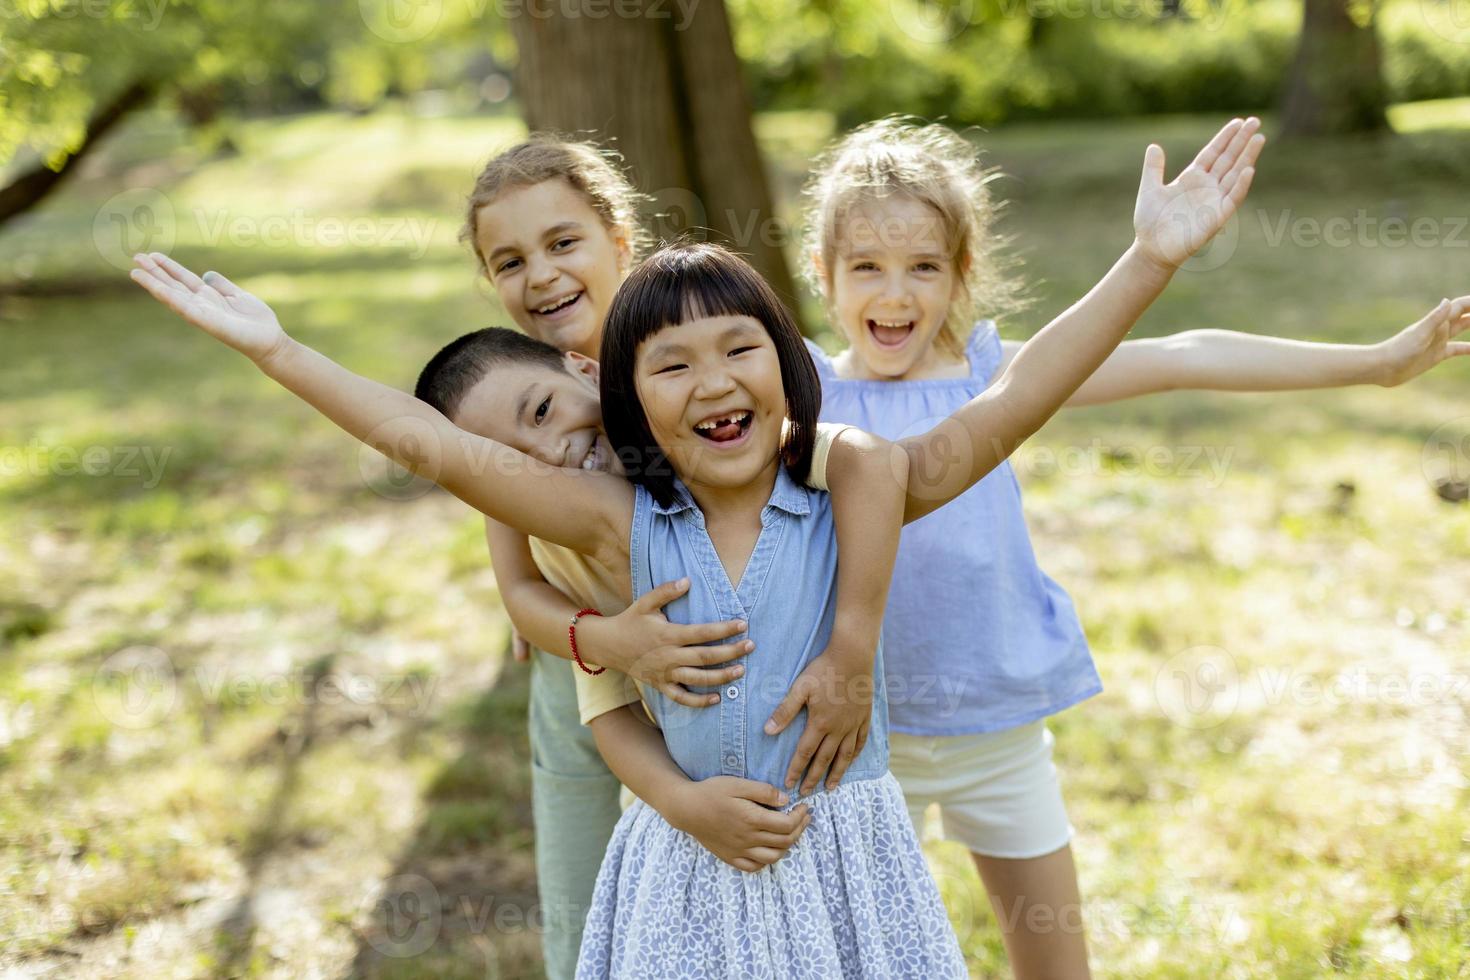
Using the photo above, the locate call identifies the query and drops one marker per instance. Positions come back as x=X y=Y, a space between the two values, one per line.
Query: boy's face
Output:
x=552 y=416
x=553 y=263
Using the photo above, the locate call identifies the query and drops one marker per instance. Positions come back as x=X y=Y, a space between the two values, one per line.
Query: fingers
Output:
x=777 y=822
x=719 y=654
x=765 y=855
x=1237 y=194
x=662 y=595
x=806 y=747
x=705 y=676
x=157 y=287
x=694 y=634
x=845 y=754
x=756 y=791
x=786 y=710
x=1207 y=156
x=1153 y=168
x=221 y=285
x=1246 y=158
x=821 y=762
x=189 y=281
x=1457 y=348
x=1236 y=147
x=785 y=841
x=1460 y=325
x=686 y=697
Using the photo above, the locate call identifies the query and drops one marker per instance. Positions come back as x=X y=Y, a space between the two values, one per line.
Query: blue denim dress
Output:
x=978 y=638
x=853 y=897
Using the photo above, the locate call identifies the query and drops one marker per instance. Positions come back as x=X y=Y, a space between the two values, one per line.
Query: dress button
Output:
x=732 y=761
x=732 y=692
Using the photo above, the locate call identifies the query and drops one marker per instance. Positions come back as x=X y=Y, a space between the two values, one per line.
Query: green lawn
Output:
x=247 y=676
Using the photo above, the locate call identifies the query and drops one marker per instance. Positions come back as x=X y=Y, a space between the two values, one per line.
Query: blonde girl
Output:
x=981 y=645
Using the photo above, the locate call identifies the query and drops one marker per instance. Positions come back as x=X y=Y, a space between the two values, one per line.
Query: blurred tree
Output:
x=1335 y=83
x=71 y=70
x=664 y=87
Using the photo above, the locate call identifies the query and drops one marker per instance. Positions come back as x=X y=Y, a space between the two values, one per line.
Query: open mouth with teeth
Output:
x=559 y=307
x=595 y=459
x=891 y=334
x=728 y=428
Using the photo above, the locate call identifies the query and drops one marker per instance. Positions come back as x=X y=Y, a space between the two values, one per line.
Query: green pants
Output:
x=575 y=805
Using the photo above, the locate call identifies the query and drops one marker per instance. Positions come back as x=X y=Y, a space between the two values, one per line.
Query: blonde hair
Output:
x=594 y=172
x=935 y=166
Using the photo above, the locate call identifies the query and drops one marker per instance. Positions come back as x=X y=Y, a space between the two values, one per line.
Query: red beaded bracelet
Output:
x=572 y=635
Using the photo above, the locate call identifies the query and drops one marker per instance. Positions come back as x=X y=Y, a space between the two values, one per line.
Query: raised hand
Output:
x=1420 y=346
x=1173 y=221
x=213 y=304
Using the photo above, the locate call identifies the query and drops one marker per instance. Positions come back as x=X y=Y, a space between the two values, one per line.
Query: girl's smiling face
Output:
x=711 y=390
x=553 y=262
x=892 y=284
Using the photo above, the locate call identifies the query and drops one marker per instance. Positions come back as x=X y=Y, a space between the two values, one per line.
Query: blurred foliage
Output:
x=984 y=61
x=60 y=59
x=971 y=61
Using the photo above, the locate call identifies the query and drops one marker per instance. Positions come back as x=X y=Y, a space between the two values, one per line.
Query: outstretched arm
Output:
x=1171 y=222
x=1226 y=360
x=585 y=511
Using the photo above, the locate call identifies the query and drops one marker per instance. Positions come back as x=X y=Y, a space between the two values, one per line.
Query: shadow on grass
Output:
x=234 y=936
x=461 y=900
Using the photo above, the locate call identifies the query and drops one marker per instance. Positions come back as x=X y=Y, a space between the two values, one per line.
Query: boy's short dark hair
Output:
x=463 y=363
x=676 y=284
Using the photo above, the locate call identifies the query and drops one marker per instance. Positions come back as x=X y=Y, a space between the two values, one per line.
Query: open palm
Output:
x=213 y=304
x=1173 y=221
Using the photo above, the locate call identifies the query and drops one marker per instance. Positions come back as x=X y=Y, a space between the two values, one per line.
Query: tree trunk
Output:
x=31 y=187
x=665 y=89
x=1335 y=84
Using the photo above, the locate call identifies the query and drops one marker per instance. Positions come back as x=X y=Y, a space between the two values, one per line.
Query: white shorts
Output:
x=997 y=792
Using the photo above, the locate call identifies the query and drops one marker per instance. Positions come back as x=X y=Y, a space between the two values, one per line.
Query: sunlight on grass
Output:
x=243 y=686
x=1416 y=117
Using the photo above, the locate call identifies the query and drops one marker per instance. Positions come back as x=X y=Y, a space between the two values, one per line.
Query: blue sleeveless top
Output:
x=787 y=596
x=978 y=637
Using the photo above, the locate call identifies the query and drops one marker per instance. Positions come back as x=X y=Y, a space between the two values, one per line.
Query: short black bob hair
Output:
x=463 y=363
x=674 y=285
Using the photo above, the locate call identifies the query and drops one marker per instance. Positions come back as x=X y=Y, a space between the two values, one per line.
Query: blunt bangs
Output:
x=675 y=285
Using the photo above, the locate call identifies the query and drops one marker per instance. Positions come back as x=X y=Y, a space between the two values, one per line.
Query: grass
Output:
x=255 y=717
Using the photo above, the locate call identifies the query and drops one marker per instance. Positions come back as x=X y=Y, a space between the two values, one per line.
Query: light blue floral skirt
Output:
x=852 y=898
